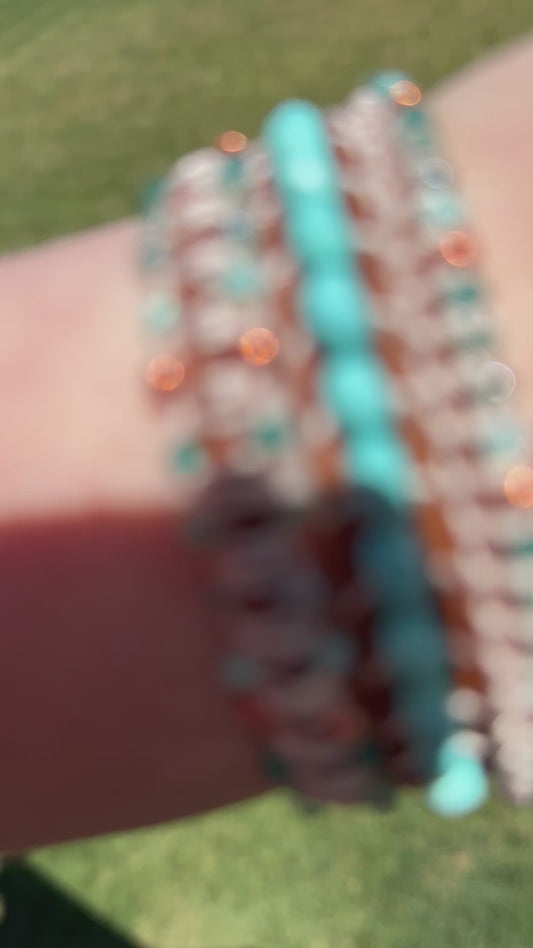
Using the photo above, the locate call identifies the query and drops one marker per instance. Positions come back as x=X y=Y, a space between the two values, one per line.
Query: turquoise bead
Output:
x=412 y=644
x=391 y=558
x=379 y=464
x=355 y=388
x=319 y=235
x=462 y=786
x=335 y=309
x=295 y=127
x=427 y=702
x=160 y=315
x=187 y=458
x=239 y=673
x=423 y=707
x=304 y=176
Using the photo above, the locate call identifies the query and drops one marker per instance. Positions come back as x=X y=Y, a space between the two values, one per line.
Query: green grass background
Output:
x=96 y=98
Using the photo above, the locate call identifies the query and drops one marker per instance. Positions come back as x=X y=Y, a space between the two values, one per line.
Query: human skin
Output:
x=111 y=716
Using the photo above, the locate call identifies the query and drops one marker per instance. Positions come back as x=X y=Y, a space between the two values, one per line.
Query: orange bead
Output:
x=406 y=93
x=164 y=373
x=459 y=248
x=518 y=486
x=231 y=143
x=259 y=346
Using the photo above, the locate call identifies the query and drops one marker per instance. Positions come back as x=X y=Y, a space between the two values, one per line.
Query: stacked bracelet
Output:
x=322 y=350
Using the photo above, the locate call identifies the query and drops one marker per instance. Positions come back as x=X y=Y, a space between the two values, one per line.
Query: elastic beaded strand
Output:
x=458 y=253
x=375 y=459
x=364 y=130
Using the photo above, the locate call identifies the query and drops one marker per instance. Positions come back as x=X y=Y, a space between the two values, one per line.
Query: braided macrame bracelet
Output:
x=344 y=459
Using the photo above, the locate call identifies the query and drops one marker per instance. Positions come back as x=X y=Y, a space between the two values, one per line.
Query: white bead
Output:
x=207 y=212
x=226 y=391
x=465 y=706
x=200 y=168
x=216 y=326
x=208 y=259
x=492 y=618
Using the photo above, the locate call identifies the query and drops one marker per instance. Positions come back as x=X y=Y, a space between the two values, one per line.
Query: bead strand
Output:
x=356 y=389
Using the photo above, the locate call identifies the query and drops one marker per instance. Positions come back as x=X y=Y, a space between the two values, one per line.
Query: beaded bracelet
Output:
x=332 y=303
x=321 y=444
x=486 y=386
x=386 y=229
x=298 y=379
x=251 y=567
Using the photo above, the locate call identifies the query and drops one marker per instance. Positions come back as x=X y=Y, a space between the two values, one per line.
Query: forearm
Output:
x=110 y=716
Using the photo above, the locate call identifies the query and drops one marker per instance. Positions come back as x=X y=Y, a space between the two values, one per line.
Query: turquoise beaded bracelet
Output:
x=356 y=390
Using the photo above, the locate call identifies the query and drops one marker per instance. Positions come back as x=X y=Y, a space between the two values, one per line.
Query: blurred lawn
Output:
x=97 y=97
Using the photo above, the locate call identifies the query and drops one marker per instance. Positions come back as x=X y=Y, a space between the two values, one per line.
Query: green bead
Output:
x=275 y=767
x=239 y=226
x=152 y=195
x=505 y=438
x=367 y=755
x=524 y=548
x=271 y=435
x=242 y=281
x=160 y=314
x=384 y=81
x=233 y=172
x=152 y=255
x=337 y=653
x=440 y=207
x=377 y=462
x=335 y=309
x=240 y=674
x=474 y=341
x=188 y=458
x=465 y=294
x=416 y=128
x=355 y=389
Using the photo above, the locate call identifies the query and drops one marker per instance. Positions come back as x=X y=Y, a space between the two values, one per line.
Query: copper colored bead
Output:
x=165 y=373
x=259 y=346
x=231 y=142
x=406 y=93
x=459 y=248
x=518 y=486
